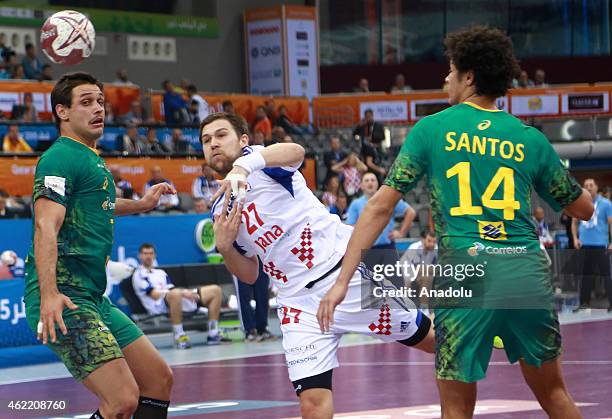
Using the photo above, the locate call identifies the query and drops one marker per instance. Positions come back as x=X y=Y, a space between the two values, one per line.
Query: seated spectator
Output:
x=258 y=138
x=200 y=206
x=262 y=123
x=5 y=211
x=13 y=142
x=152 y=144
x=177 y=143
x=134 y=115
x=228 y=106
x=4 y=72
x=122 y=78
x=269 y=107
x=32 y=66
x=288 y=125
x=167 y=202
x=539 y=79
x=202 y=109
x=123 y=188
x=159 y=296
x=368 y=129
x=46 y=73
x=371 y=155
x=523 y=81
x=332 y=189
x=363 y=86
x=400 y=86
x=351 y=169
x=205 y=186
x=542 y=228
x=18 y=72
x=109 y=113
x=27 y=111
x=131 y=142
x=340 y=207
x=194 y=112
x=175 y=107
x=333 y=156
x=280 y=136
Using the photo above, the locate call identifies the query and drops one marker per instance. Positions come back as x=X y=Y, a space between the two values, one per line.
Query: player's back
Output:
x=482 y=166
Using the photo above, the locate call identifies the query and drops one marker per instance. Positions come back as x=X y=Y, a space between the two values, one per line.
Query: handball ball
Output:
x=8 y=258
x=67 y=37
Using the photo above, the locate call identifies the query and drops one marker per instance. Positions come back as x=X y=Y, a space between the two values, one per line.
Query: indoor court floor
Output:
x=375 y=381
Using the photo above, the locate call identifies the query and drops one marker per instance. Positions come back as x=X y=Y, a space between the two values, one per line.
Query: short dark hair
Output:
x=29 y=45
x=226 y=103
x=488 y=53
x=145 y=246
x=62 y=91
x=238 y=123
x=427 y=232
x=368 y=111
x=192 y=88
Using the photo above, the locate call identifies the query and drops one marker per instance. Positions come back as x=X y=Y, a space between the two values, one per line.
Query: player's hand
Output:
x=238 y=188
x=395 y=234
x=226 y=225
x=577 y=244
x=51 y=308
x=327 y=306
x=151 y=198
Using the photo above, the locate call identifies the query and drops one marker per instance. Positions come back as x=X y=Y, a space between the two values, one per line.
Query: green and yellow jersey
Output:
x=482 y=167
x=75 y=176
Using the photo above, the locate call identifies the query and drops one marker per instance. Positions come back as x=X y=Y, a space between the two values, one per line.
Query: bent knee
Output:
x=125 y=405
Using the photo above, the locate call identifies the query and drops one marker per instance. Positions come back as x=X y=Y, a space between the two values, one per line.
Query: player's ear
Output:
x=469 y=78
x=244 y=140
x=61 y=111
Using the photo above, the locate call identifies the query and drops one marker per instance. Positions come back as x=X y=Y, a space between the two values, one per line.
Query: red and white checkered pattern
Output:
x=305 y=251
x=273 y=271
x=384 y=321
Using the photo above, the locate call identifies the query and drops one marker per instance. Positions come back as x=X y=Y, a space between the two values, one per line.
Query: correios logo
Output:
x=478 y=248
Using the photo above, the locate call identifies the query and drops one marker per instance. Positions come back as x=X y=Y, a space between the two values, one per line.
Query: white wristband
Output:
x=251 y=162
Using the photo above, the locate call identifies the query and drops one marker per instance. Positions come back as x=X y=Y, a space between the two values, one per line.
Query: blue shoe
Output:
x=182 y=342
x=216 y=340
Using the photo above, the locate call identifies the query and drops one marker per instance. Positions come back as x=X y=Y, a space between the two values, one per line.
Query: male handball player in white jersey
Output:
x=301 y=245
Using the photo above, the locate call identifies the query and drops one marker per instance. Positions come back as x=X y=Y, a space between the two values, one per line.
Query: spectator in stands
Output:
x=152 y=144
x=46 y=74
x=539 y=79
x=25 y=112
x=13 y=142
x=593 y=238
x=280 y=136
x=566 y=220
x=182 y=87
x=3 y=47
x=363 y=86
x=262 y=123
x=523 y=81
x=369 y=186
x=5 y=212
x=542 y=228
x=203 y=110
x=350 y=169
x=332 y=190
x=4 y=72
x=18 y=72
x=167 y=202
x=130 y=142
x=423 y=252
x=288 y=125
x=400 y=86
x=340 y=207
x=200 y=206
x=175 y=107
x=269 y=106
x=122 y=78
x=254 y=322
x=194 y=112
x=32 y=66
x=178 y=144
x=109 y=113
x=134 y=115
x=333 y=156
x=205 y=186
x=159 y=296
x=123 y=187
x=228 y=106
x=368 y=129
x=258 y=138
x=607 y=192
x=147 y=108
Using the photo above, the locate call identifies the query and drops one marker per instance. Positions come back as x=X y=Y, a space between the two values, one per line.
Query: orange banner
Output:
x=245 y=105
x=17 y=173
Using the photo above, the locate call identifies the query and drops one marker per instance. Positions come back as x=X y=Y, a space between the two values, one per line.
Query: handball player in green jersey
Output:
x=74 y=208
x=481 y=165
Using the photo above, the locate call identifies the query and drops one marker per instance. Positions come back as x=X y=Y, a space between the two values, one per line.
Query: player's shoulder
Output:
x=416 y=245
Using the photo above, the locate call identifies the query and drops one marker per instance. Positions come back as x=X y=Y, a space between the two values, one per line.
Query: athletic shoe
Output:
x=216 y=340
x=182 y=342
x=581 y=307
x=266 y=335
x=251 y=336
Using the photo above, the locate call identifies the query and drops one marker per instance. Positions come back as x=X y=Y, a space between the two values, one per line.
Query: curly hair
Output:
x=488 y=53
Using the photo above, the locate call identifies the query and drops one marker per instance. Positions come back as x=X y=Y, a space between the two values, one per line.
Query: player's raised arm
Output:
x=146 y=203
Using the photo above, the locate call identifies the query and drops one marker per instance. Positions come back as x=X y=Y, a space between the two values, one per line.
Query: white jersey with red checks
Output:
x=288 y=228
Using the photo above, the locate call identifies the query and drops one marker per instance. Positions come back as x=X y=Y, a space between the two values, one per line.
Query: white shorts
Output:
x=309 y=352
x=162 y=307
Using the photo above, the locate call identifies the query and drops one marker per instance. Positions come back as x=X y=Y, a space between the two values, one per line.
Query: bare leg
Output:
x=210 y=297
x=317 y=403
x=457 y=398
x=175 y=304
x=152 y=374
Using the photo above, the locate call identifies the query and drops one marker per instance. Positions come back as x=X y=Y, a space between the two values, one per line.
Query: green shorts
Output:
x=97 y=331
x=464 y=339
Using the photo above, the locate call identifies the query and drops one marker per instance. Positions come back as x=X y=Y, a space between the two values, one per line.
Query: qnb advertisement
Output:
x=282 y=51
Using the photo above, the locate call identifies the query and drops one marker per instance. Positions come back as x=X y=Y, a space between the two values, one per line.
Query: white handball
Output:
x=67 y=37
x=8 y=258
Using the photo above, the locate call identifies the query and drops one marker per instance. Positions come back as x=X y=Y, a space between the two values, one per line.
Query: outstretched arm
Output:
x=146 y=203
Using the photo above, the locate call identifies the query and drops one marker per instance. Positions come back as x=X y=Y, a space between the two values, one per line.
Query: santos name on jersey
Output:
x=287 y=227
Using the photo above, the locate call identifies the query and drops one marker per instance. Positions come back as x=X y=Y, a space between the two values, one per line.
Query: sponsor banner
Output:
x=264 y=50
x=420 y=108
x=535 y=105
x=14 y=329
x=302 y=52
x=502 y=103
x=587 y=102
x=7 y=101
x=386 y=111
